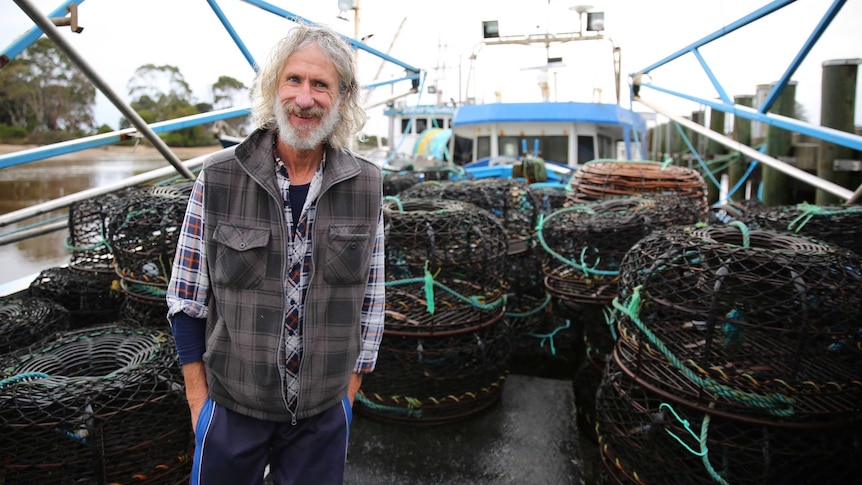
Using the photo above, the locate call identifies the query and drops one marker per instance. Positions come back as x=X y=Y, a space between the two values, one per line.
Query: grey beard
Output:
x=308 y=141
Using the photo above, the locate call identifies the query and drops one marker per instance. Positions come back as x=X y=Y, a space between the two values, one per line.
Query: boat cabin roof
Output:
x=612 y=114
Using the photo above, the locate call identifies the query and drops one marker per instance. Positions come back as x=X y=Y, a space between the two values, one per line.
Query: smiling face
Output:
x=307 y=104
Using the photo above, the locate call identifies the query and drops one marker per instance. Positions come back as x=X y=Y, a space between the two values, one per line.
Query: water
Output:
x=36 y=182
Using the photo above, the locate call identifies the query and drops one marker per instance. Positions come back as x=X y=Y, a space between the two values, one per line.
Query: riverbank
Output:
x=141 y=151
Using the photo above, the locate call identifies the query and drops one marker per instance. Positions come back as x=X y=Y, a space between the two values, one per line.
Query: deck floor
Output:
x=529 y=436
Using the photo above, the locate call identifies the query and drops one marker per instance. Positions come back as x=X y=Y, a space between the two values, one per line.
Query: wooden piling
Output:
x=742 y=134
x=713 y=150
x=777 y=189
x=838 y=101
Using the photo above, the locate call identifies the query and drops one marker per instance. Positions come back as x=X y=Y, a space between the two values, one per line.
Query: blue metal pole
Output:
x=353 y=42
x=130 y=114
x=831 y=135
x=233 y=34
x=31 y=35
x=757 y=14
x=776 y=90
x=40 y=153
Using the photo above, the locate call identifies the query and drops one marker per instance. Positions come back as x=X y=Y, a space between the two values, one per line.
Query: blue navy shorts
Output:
x=234 y=449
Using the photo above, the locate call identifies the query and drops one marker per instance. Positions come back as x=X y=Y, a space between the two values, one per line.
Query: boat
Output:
x=491 y=142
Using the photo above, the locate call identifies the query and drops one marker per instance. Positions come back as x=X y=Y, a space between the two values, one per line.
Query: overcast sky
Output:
x=439 y=36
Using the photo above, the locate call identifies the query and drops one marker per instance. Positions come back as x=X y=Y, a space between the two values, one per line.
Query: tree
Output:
x=43 y=91
x=160 y=89
x=161 y=93
x=227 y=93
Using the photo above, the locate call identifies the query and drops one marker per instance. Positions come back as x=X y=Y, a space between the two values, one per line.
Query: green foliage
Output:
x=45 y=99
x=13 y=134
x=229 y=92
x=43 y=92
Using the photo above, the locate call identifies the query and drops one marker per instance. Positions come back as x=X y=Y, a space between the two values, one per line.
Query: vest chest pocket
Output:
x=241 y=255
x=348 y=255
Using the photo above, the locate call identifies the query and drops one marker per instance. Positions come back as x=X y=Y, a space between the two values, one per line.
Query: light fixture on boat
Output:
x=595 y=21
x=490 y=29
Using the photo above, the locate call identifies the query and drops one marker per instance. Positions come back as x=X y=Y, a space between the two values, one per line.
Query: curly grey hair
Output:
x=265 y=85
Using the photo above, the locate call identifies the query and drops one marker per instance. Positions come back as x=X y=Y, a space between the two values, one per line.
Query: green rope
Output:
x=686 y=425
x=549 y=337
x=396 y=200
x=775 y=404
x=429 y=289
x=429 y=283
x=409 y=412
x=704 y=431
x=532 y=312
x=609 y=320
x=21 y=377
x=811 y=210
x=582 y=266
x=746 y=234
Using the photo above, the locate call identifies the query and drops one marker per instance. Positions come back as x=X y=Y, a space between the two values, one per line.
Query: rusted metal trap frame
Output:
x=436 y=368
x=101 y=405
x=771 y=332
x=554 y=348
x=92 y=298
x=88 y=231
x=144 y=306
x=527 y=301
x=601 y=179
x=584 y=245
x=839 y=225
x=645 y=438
x=733 y=211
x=510 y=200
x=143 y=232
x=395 y=183
x=549 y=197
x=446 y=240
x=26 y=320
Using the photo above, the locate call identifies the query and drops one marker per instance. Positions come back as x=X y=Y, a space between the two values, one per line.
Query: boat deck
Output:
x=529 y=436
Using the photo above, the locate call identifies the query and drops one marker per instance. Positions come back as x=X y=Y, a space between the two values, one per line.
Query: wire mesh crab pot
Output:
x=88 y=231
x=144 y=230
x=445 y=345
x=91 y=297
x=103 y=405
x=395 y=183
x=431 y=379
x=835 y=224
x=508 y=199
x=27 y=320
x=549 y=198
x=527 y=302
x=755 y=324
x=644 y=438
x=602 y=179
x=144 y=306
x=553 y=348
x=584 y=245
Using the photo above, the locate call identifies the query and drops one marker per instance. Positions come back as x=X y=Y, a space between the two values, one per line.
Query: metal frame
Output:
x=761 y=114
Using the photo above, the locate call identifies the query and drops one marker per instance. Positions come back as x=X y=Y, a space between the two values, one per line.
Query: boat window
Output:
x=555 y=148
x=439 y=123
x=606 y=147
x=509 y=146
x=421 y=124
x=462 y=152
x=586 y=152
x=404 y=123
x=483 y=147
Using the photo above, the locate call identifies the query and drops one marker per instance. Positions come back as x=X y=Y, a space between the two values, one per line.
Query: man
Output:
x=276 y=296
